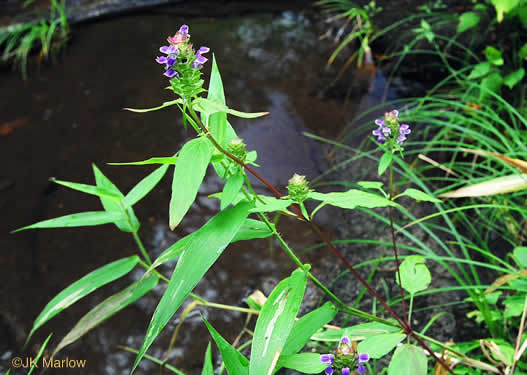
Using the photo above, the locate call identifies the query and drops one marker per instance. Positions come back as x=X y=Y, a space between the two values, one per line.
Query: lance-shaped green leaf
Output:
x=89 y=189
x=128 y=221
x=207 y=363
x=271 y=204
x=379 y=345
x=415 y=275
x=144 y=186
x=231 y=189
x=275 y=322
x=191 y=167
x=40 y=352
x=173 y=251
x=306 y=363
x=108 y=308
x=418 y=195
x=165 y=104
x=216 y=122
x=204 y=249
x=252 y=229
x=351 y=199
x=235 y=362
x=158 y=160
x=384 y=162
x=408 y=360
x=356 y=332
x=498 y=185
x=210 y=106
x=81 y=219
x=306 y=327
x=82 y=287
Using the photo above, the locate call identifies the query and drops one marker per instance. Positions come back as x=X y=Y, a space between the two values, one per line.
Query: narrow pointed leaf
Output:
x=379 y=345
x=145 y=186
x=217 y=122
x=408 y=360
x=191 y=167
x=271 y=204
x=517 y=163
x=128 y=221
x=275 y=322
x=209 y=107
x=418 y=195
x=40 y=352
x=231 y=189
x=82 y=287
x=159 y=160
x=81 y=219
x=384 y=162
x=306 y=363
x=235 y=362
x=499 y=185
x=89 y=189
x=165 y=104
x=173 y=251
x=356 y=332
x=200 y=254
x=108 y=308
x=207 y=363
x=252 y=229
x=352 y=199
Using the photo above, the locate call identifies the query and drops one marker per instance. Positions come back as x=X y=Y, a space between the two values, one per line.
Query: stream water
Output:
x=68 y=115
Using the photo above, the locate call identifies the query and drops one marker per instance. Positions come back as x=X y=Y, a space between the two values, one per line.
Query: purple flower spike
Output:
x=327 y=358
x=345 y=340
x=183 y=30
x=170 y=73
x=329 y=370
x=361 y=369
x=202 y=50
x=363 y=357
x=161 y=60
x=345 y=371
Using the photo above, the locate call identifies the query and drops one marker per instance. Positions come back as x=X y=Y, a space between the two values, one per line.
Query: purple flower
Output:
x=199 y=61
x=362 y=358
x=404 y=129
x=171 y=73
x=169 y=50
x=345 y=341
x=202 y=50
x=184 y=30
x=346 y=371
x=380 y=135
x=327 y=358
x=329 y=370
x=361 y=369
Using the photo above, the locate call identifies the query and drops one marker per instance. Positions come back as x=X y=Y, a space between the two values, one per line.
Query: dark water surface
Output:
x=69 y=115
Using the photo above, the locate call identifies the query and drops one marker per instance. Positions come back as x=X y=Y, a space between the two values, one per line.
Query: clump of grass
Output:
x=48 y=36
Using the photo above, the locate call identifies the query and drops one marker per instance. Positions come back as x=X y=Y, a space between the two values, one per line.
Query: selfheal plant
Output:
x=391 y=132
x=345 y=359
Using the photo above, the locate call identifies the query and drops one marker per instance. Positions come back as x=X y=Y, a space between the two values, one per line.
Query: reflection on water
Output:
x=71 y=116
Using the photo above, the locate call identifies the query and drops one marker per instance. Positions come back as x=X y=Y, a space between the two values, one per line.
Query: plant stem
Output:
x=142 y=248
x=403 y=303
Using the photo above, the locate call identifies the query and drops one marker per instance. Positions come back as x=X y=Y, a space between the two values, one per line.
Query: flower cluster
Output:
x=345 y=358
x=390 y=131
x=183 y=63
x=298 y=188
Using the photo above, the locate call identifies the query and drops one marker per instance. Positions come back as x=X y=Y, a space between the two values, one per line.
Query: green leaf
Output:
x=370 y=184
x=207 y=363
x=379 y=345
x=89 y=189
x=493 y=56
x=231 y=189
x=108 y=308
x=504 y=6
x=165 y=104
x=306 y=327
x=252 y=229
x=275 y=322
x=144 y=186
x=520 y=254
x=522 y=53
x=204 y=248
x=128 y=221
x=384 y=162
x=191 y=167
x=408 y=360
x=217 y=122
x=306 y=363
x=81 y=219
x=514 y=305
x=173 y=251
x=491 y=83
x=467 y=21
x=415 y=275
x=209 y=107
x=82 y=287
x=37 y=359
x=271 y=204
x=159 y=160
x=418 y=195
x=235 y=362
x=356 y=332
x=513 y=78
x=480 y=70
x=353 y=198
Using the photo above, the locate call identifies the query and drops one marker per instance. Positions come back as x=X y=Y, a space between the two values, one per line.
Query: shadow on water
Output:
x=70 y=115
